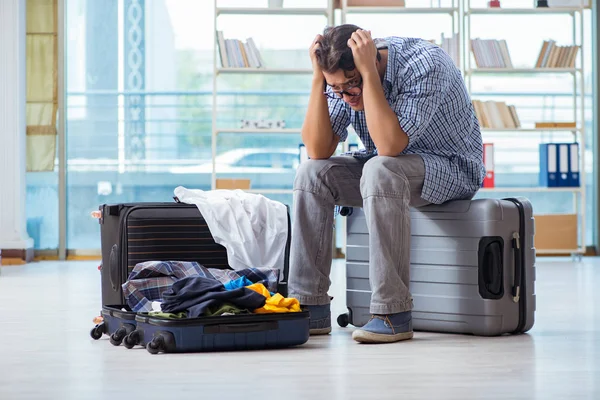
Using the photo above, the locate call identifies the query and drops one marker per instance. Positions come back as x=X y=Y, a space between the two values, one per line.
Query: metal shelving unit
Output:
x=576 y=13
x=460 y=14
x=219 y=70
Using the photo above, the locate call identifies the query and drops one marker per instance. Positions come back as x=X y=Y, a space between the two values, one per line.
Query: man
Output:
x=408 y=104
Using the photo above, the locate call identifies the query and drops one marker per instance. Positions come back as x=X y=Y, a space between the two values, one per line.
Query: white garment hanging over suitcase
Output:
x=251 y=227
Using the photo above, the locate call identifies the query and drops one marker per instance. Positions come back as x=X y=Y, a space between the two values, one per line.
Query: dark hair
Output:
x=334 y=53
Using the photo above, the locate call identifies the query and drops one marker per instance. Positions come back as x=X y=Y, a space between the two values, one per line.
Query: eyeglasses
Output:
x=351 y=91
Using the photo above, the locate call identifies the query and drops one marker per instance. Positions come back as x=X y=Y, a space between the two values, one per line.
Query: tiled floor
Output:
x=46 y=352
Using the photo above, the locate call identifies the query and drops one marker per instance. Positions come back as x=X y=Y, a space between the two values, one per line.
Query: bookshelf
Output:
x=461 y=14
x=565 y=61
x=253 y=65
x=522 y=11
x=523 y=71
x=453 y=12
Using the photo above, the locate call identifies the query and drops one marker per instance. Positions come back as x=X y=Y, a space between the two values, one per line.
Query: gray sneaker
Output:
x=320 y=319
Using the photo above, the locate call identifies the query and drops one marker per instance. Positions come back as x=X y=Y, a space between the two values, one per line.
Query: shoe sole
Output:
x=320 y=331
x=362 y=336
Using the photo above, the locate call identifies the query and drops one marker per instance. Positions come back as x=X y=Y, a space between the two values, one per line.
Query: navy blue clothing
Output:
x=195 y=294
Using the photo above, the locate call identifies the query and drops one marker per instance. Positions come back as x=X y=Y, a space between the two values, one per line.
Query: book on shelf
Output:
x=496 y=115
x=559 y=164
x=237 y=54
x=451 y=46
x=491 y=53
x=370 y=3
x=554 y=56
x=550 y=124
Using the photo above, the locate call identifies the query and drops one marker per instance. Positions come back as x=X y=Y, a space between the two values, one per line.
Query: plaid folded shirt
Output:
x=149 y=280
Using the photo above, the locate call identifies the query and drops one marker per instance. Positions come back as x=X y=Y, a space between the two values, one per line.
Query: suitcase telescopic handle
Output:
x=516 y=291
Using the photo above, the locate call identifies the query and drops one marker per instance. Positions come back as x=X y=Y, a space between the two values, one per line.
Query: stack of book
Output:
x=496 y=115
x=450 y=46
x=491 y=53
x=553 y=56
x=237 y=54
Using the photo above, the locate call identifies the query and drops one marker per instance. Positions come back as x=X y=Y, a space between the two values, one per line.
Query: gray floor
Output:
x=46 y=351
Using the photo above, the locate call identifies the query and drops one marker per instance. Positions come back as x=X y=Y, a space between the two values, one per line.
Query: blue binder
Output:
x=563 y=165
x=573 y=179
x=548 y=165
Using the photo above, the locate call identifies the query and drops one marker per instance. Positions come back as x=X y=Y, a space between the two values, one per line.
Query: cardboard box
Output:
x=556 y=232
x=243 y=184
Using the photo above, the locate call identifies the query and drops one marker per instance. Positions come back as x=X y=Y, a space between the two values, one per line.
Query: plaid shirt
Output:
x=149 y=280
x=427 y=92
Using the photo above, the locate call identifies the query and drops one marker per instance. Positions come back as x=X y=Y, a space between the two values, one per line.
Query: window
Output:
x=140 y=108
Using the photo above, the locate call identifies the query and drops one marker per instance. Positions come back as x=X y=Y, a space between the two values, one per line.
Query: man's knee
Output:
x=310 y=174
x=384 y=176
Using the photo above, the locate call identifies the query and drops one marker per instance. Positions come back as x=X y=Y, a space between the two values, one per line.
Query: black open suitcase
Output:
x=172 y=231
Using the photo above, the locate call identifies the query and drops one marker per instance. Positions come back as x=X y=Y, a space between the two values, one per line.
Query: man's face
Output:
x=348 y=86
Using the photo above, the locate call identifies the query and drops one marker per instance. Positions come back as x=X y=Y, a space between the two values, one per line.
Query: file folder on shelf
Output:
x=488 y=161
x=563 y=164
x=573 y=180
x=559 y=165
x=548 y=165
x=303 y=152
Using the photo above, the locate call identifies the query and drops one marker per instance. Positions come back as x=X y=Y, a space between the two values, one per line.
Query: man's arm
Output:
x=393 y=127
x=382 y=121
x=317 y=132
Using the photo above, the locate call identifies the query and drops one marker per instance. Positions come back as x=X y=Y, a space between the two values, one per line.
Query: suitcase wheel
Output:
x=131 y=340
x=346 y=211
x=117 y=337
x=343 y=320
x=162 y=341
x=156 y=345
x=97 y=331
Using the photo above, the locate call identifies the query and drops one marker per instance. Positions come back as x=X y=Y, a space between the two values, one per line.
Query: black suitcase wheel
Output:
x=156 y=345
x=97 y=331
x=131 y=340
x=343 y=320
x=117 y=337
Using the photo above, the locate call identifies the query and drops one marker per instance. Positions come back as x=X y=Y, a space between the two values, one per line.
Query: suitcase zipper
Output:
x=519 y=294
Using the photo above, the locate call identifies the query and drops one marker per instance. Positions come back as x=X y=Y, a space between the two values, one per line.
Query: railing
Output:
x=108 y=132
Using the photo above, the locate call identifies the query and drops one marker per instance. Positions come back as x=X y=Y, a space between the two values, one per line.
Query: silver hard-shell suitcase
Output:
x=472 y=267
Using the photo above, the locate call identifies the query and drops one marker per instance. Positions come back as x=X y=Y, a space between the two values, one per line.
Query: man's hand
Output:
x=364 y=52
x=316 y=45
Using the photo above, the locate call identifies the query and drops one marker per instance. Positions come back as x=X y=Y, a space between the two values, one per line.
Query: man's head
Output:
x=337 y=63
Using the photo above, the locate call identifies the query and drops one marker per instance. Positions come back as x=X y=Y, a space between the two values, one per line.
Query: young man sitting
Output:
x=408 y=103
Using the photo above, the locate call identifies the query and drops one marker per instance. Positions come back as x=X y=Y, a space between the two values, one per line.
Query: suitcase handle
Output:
x=516 y=291
x=113 y=267
x=491 y=267
x=242 y=328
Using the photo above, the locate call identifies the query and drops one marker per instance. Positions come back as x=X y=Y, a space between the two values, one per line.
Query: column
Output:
x=15 y=244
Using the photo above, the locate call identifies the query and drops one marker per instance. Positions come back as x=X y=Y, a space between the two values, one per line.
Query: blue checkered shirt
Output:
x=427 y=92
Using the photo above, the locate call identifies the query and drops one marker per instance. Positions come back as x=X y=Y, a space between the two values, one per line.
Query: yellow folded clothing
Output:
x=276 y=303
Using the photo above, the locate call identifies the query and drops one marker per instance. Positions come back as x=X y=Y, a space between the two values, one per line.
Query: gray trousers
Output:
x=384 y=187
